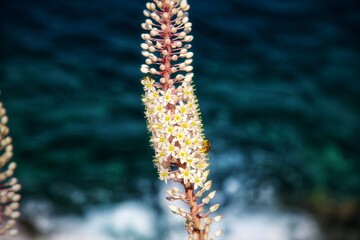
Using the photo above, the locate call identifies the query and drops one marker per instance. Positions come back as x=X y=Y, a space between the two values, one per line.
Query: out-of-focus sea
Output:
x=278 y=83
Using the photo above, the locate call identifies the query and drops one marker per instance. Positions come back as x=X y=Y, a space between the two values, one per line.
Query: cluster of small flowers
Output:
x=9 y=198
x=172 y=112
x=176 y=133
x=177 y=136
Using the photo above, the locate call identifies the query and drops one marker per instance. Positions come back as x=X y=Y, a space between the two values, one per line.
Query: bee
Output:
x=205 y=146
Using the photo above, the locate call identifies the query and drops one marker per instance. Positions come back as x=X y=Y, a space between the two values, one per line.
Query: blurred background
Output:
x=278 y=84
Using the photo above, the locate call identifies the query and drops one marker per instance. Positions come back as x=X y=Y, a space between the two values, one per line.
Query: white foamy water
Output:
x=134 y=220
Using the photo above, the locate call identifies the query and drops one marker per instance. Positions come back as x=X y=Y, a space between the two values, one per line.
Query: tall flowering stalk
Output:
x=173 y=115
x=9 y=198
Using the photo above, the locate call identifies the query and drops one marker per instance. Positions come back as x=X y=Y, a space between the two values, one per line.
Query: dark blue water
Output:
x=278 y=83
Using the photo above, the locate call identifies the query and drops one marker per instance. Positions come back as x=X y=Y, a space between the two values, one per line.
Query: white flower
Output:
x=191 y=160
x=171 y=149
x=186 y=174
x=198 y=180
x=164 y=174
x=168 y=97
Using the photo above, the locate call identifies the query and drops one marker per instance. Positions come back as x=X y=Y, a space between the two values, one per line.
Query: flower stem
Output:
x=172 y=112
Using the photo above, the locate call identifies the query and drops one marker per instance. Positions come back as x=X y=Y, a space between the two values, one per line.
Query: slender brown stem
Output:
x=196 y=219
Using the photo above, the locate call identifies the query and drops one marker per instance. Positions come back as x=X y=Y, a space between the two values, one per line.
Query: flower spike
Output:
x=9 y=186
x=172 y=111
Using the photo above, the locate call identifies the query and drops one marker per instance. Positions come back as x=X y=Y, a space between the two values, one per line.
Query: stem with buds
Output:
x=173 y=114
